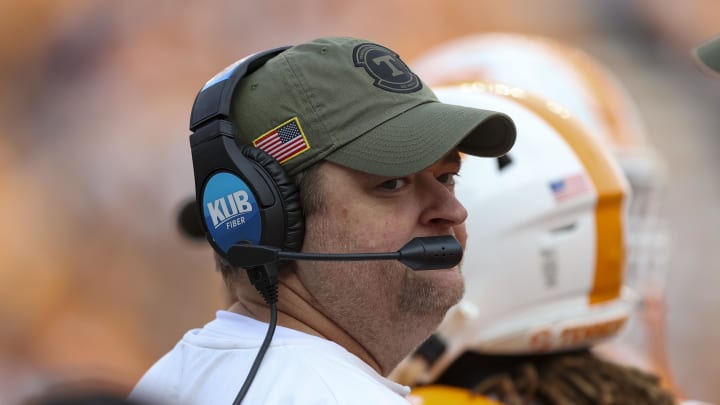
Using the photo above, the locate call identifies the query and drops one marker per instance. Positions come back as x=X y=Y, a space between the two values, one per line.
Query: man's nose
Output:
x=443 y=208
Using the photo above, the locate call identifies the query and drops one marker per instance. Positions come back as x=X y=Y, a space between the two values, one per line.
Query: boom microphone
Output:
x=421 y=253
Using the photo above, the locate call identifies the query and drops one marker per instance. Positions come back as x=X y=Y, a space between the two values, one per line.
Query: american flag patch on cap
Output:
x=569 y=187
x=283 y=142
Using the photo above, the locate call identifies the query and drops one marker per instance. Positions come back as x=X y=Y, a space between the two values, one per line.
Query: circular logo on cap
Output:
x=386 y=68
x=230 y=211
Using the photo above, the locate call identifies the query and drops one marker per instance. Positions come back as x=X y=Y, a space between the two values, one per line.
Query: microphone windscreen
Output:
x=431 y=253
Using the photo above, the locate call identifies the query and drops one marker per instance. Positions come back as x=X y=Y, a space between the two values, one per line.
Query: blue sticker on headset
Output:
x=224 y=75
x=230 y=211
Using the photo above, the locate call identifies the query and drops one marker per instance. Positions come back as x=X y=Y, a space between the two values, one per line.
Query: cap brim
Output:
x=419 y=137
x=708 y=56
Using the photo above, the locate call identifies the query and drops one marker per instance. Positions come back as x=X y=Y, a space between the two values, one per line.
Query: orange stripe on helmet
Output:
x=610 y=100
x=443 y=395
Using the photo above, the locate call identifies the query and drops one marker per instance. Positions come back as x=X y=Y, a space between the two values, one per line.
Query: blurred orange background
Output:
x=96 y=281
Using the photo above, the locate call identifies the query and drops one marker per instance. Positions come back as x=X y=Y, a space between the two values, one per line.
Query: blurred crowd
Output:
x=96 y=281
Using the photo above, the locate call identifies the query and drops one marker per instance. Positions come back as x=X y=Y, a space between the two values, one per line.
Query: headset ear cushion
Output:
x=294 y=218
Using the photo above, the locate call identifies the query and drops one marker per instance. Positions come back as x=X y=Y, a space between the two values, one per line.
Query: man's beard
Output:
x=403 y=294
x=427 y=296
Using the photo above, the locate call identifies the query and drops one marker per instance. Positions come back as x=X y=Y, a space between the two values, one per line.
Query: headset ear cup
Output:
x=294 y=219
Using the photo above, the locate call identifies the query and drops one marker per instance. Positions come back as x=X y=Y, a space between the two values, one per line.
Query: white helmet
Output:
x=546 y=237
x=588 y=91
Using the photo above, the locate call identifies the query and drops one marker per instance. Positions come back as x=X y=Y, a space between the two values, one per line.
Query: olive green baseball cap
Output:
x=708 y=55
x=356 y=103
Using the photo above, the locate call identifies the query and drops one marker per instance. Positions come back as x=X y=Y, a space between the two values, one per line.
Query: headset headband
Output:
x=243 y=194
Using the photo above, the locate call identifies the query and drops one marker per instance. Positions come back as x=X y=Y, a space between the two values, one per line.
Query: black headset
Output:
x=243 y=194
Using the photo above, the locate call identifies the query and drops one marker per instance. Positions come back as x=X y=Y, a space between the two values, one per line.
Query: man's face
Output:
x=368 y=213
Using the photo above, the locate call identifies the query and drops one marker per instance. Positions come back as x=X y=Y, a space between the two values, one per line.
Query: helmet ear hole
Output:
x=503 y=162
x=564 y=229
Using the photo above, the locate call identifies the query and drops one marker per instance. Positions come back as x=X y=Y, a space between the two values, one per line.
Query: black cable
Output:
x=265 y=280
x=259 y=357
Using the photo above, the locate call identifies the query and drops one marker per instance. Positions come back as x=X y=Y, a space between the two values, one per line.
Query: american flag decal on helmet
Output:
x=569 y=187
x=283 y=142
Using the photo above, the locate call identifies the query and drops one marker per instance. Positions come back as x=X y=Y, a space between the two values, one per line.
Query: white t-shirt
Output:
x=209 y=365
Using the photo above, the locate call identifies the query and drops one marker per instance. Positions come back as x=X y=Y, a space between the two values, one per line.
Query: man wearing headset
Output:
x=374 y=155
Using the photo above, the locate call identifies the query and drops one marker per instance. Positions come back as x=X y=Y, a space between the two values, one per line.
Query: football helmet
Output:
x=584 y=88
x=546 y=238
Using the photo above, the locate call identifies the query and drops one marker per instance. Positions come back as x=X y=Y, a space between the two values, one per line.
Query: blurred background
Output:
x=95 y=279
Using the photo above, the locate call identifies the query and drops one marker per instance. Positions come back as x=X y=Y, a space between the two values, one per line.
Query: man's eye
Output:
x=448 y=179
x=394 y=184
